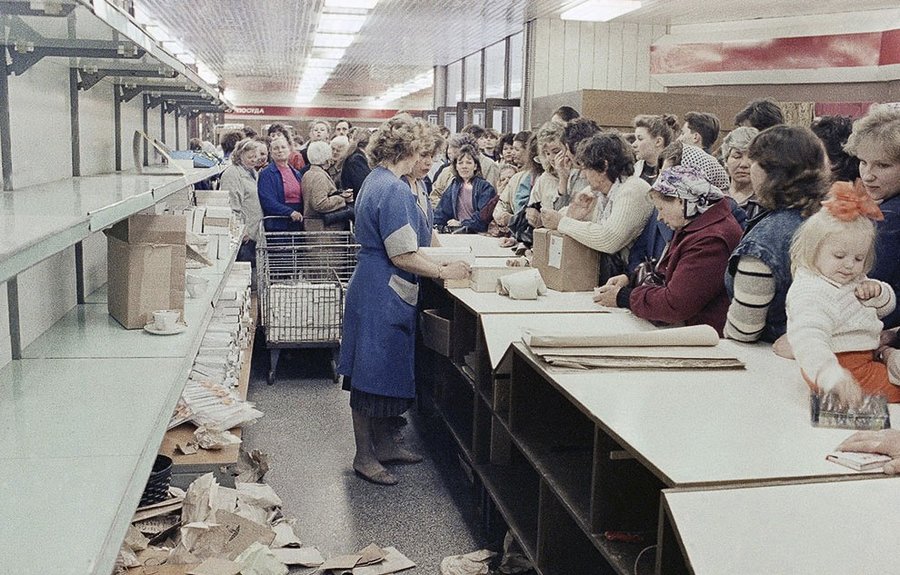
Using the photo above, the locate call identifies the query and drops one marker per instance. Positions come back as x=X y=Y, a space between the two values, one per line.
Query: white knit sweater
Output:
x=824 y=318
x=623 y=220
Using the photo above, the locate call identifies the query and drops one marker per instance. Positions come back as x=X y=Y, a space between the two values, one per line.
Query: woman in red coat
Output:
x=691 y=288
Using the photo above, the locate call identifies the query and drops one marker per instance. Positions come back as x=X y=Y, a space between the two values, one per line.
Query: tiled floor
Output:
x=307 y=433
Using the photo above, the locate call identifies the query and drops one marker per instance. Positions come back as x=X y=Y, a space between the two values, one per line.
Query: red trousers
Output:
x=871 y=374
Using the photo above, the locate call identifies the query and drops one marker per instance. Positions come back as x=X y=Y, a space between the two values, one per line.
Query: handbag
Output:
x=339 y=216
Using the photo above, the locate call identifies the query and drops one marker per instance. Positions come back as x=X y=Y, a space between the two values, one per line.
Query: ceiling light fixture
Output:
x=327 y=53
x=321 y=40
x=354 y=4
x=600 y=10
x=340 y=23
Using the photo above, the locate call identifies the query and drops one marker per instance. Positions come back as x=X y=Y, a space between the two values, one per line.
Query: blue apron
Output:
x=377 y=348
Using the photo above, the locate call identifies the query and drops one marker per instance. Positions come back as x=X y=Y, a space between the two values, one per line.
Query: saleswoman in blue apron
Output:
x=377 y=349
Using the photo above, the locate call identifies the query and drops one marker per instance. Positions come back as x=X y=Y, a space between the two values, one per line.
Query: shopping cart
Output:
x=302 y=279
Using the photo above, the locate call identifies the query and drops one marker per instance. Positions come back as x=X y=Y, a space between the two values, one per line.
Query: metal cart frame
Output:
x=302 y=278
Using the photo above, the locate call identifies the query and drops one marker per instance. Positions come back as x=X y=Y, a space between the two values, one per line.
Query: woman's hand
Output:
x=582 y=206
x=348 y=196
x=606 y=294
x=886 y=441
x=563 y=164
x=296 y=216
x=457 y=270
x=503 y=220
x=534 y=217
x=550 y=218
x=453 y=223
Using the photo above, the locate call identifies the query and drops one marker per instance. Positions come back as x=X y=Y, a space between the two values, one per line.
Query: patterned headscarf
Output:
x=694 y=157
x=690 y=185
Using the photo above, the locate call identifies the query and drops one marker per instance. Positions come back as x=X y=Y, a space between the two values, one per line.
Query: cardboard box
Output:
x=146 y=259
x=435 y=331
x=565 y=264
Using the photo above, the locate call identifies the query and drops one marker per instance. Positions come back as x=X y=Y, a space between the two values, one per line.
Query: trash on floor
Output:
x=474 y=563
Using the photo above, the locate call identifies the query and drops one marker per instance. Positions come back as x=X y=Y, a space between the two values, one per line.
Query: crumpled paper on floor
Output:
x=285 y=536
x=199 y=499
x=303 y=556
x=259 y=560
x=474 y=563
x=252 y=466
x=259 y=494
x=209 y=438
x=513 y=560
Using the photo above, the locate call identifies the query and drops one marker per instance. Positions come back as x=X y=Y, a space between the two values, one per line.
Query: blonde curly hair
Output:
x=394 y=141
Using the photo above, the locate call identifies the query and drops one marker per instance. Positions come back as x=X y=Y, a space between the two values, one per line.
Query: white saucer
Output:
x=151 y=328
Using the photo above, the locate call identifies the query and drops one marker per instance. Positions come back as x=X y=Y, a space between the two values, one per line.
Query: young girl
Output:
x=833 y=309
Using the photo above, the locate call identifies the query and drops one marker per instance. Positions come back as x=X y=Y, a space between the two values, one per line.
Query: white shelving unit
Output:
x=85 y=408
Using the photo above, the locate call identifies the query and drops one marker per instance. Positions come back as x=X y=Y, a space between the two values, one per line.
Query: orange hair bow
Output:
x=848 y=201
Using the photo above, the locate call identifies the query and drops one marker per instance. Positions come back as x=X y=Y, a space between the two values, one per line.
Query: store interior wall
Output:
x=572 y=56
x=5 y=349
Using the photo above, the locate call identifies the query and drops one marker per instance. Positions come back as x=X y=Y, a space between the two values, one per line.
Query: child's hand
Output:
x=848 y=390
x=867 y=289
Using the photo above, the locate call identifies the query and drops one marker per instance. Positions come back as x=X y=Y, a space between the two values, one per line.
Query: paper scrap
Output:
x=226 y=499
x=303 y=556
x=345 y=562
x=188 y=448
x=259 y=560
x=242 y=533
x=135 y=540
x=252 y=466
x=214 y=439
x=252 y=512
x=394 y=562
x=258 y=494
x=197 y=500
x=216 y=566
x=554 y=255
x=474 y=563
x=157 y=511
x=285 y=535
x=370 y=555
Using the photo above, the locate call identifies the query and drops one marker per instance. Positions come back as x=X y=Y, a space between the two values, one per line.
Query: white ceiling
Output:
x=258 y=47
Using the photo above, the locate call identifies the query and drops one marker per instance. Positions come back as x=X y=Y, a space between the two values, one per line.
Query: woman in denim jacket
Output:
x=790 y=180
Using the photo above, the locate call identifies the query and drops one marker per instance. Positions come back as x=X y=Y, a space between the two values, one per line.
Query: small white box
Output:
x=224 y=248
x=197 y=223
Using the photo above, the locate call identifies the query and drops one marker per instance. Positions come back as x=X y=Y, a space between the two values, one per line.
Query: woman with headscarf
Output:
x=689 y=290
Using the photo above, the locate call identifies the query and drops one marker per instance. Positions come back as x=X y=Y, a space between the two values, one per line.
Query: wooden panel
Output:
x=616 y=109
x=630 y=55
x=571 y=55
x=586 y=56
x=616 y=56
x=557 y=51
x=541 y=58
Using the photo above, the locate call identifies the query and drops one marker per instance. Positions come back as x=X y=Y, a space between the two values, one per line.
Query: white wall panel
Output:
x=557 y=56
x=586 y=55
x=571 y=50
x=5 y=350
x=630 y=49
x=573 y=56
x=39 y=124
x=46 y=293
x=541 y=57
x=97 y=128
x=615 y=57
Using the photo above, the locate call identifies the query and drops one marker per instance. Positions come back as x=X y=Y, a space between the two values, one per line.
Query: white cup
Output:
x=196 y=285
x=165 y=319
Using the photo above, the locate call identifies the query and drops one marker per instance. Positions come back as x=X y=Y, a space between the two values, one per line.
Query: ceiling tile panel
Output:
x=261 y=46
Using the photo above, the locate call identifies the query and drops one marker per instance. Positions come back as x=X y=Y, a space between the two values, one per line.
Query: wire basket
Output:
x=157 y=488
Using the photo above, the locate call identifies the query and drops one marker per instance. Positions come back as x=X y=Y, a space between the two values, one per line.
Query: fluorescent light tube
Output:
x=321 y=40
x=600 y=10
x=340 y=23
x=355 y=4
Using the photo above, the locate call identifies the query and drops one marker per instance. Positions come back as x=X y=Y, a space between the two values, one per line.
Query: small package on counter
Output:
x=565 y=264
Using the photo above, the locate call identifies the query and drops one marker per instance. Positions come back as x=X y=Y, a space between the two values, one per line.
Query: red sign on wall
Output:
x=294 y=111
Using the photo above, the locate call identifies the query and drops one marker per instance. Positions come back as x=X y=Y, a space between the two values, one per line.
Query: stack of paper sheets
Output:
x=693 y=347
x=209 y=398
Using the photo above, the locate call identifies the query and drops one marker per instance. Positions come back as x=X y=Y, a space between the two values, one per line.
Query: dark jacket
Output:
x=697 y=258
x=271 y=197
x=887 y=246
x=482 y=192
x=354 y=171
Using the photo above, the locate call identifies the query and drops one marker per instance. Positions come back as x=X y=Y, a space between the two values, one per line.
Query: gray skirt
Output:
x=374 y=405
